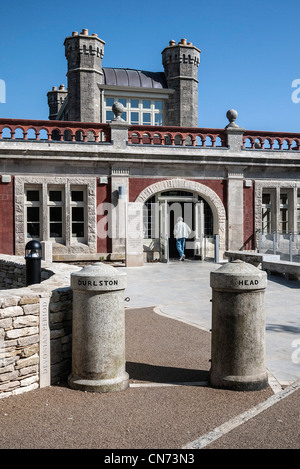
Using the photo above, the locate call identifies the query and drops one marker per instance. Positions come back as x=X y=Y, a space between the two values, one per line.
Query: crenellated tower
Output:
x=84 y=54
x=56 y=99
x=181 y=63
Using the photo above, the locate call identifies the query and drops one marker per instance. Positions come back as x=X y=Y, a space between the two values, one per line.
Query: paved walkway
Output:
x=169 y=405
x=181 y=290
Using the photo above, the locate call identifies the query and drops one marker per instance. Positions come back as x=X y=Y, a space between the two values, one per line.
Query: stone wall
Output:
x=13 y=274
x=35 y=327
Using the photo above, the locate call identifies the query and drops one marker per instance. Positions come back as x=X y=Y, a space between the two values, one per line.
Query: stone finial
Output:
x=118 y=109
x=232 y=116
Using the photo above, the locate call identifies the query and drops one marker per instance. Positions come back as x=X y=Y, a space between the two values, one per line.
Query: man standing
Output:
x=181 y=232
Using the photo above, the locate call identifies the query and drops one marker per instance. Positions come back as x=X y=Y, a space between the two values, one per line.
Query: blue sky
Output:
x=249 y=52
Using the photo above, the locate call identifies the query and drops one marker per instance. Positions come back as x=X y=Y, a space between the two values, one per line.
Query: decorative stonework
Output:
x=271 y=185
x=208 y=194
x=65 y=182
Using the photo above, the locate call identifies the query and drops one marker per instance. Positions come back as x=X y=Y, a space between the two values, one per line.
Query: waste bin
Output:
x=33 y=257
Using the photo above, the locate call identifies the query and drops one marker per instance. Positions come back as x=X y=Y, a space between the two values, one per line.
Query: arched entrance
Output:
x=199 y=205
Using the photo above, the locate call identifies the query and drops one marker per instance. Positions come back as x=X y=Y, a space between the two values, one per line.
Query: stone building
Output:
x=121 y=157
x=149 y=98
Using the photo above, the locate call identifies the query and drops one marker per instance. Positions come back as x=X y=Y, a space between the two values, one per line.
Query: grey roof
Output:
x=135 y=78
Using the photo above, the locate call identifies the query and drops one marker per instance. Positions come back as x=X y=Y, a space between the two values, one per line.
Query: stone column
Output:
x=235 y=202
x=98 y=331
x=119 y=185
x=119 y=201
x=235 y=210
x=238 y=327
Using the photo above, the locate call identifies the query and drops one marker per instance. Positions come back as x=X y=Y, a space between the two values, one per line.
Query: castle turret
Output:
x=84 y=54
x=56 y=98
x=181 y=63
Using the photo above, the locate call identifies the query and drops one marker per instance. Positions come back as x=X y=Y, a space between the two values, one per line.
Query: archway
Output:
x=214 y=201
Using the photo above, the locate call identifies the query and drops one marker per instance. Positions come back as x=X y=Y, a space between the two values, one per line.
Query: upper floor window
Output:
x=136 y=111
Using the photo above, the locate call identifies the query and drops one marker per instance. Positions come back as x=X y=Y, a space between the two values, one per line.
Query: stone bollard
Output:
x=98 y=332
x=238 y=327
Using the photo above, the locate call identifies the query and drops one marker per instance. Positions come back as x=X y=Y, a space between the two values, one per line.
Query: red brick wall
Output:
x=249 y=218
x=103 y=196
x=138 y=184
x=7 y=238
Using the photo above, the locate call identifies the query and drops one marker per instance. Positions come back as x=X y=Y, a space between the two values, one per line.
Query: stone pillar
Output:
x=235 y=210
x=238 y=327
x=47 y=251
x=119 y=186
x=98 y=335
x=119 y=128
x=235 y=193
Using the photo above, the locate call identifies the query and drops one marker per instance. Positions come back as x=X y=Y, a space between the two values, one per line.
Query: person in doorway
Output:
x=181 y=232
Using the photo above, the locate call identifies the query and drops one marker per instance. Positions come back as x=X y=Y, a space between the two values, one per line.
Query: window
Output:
x=136 y=111
x=56 y=214
x=146 y=118
x=56 y=211
x=78 y=214
x=33 y=213
x=149 y=216
x=266 y=213
x=284 y=214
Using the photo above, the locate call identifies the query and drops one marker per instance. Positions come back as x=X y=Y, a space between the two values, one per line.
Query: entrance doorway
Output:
x=195 y=211
x=190 y=243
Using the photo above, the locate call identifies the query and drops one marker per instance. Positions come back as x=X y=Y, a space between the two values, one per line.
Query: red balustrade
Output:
x=25 y=129
x=184 y=136
x=54 y=130
x=271 y=140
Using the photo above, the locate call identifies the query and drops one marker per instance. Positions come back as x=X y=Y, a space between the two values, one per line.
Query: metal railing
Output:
x=287 y=245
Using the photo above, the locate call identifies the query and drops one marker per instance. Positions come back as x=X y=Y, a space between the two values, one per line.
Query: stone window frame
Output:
x=277 y=187
x=69 y=246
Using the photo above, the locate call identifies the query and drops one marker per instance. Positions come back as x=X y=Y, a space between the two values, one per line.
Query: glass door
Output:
x=163 y=232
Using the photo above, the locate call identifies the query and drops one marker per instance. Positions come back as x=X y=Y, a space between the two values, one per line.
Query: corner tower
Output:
x=181 y=63
x=84 y=54
x=56 y=99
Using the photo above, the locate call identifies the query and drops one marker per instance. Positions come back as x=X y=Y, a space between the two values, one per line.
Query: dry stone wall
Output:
x=35 y=326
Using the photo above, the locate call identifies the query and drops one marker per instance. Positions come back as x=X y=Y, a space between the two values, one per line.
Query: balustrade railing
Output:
x=67 y=131
x=271 y=140
x=24 y=129
x=183 y=136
